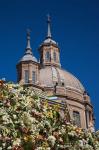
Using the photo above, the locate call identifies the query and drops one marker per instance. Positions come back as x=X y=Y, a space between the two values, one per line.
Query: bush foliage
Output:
x=28 y=122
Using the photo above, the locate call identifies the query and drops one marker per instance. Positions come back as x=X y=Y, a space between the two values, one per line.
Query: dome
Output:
x=51 y=75
x=28 y=57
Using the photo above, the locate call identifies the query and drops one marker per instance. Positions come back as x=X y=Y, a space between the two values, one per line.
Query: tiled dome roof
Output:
x=51 y=75
x=28 y=57
x=49 y=40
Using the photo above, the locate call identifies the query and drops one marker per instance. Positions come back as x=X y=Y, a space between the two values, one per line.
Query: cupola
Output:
x=49 y=50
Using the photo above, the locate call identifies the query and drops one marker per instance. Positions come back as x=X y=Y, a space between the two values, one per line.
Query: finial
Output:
x=28 y=39
x=28 y=47
x=48 y=18
x=49 y=26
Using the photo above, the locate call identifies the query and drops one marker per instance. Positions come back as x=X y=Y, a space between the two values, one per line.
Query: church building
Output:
x=48 y=75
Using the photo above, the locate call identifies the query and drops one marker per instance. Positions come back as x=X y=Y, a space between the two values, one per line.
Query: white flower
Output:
x=39 y=148
x=34 y=120
x=17 y=142
x=81 y=143
x=63 y=130
x=14 y=116
x=3 y=144
x=88 y=147
x=9 y=148
x=52 y=140
x=48 y=148
x=72 y=133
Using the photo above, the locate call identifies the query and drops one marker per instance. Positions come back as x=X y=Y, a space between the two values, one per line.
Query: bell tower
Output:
x=49 y=50
x=28 y=66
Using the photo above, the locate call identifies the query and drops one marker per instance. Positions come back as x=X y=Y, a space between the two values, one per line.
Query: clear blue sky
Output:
x=75 y=26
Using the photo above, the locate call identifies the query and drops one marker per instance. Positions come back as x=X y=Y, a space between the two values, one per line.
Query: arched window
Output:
x=54 y=56
x=26 y=76
x=33 y=77
x=76 y=118
x=47 y=56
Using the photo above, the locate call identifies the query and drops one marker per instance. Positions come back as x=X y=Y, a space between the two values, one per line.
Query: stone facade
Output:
x=31 y=67
x=47 y=75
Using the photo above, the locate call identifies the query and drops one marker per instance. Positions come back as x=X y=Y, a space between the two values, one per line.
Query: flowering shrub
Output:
x=29 y=123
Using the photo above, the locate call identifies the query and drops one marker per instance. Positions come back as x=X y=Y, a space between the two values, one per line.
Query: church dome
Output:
x=49 y=76
x=60 y=86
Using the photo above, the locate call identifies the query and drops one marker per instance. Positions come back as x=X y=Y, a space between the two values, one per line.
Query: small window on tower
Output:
x=26 y=76
x=34 y=76
x=76 y=117
x=47 y=56
x=54 y=56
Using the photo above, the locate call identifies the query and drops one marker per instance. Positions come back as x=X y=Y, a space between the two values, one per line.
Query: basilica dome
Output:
x=49 y=76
